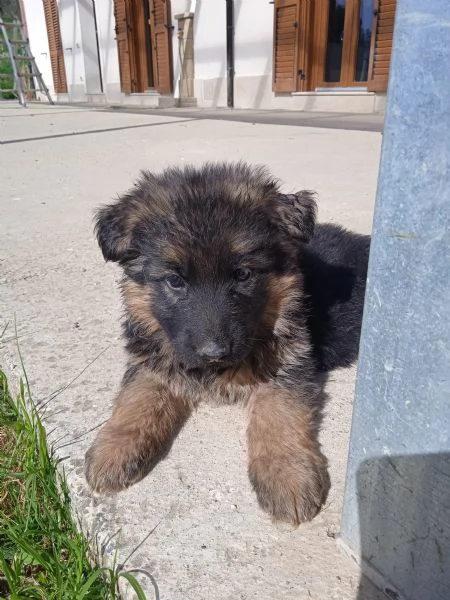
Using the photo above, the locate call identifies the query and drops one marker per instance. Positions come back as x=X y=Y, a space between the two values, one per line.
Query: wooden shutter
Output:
x=381 y=50
x=123 y=49
x=55 y=46
x=160 y=25
x=285 y=46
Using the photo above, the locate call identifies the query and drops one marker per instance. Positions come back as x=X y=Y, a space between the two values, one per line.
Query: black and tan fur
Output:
x=231 y=293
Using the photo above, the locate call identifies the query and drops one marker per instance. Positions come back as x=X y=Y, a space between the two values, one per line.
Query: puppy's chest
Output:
x=230 y=393
x=214 y=391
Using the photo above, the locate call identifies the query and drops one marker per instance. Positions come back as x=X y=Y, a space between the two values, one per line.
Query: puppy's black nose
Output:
x=213 y=351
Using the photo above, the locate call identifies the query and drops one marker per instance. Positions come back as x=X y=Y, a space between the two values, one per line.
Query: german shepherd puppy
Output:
x=231 y=293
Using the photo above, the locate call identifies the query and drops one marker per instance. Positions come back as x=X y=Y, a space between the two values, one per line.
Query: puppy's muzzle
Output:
x=214 y=351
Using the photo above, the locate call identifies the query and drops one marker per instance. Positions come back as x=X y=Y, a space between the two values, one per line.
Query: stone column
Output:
x=186 y=55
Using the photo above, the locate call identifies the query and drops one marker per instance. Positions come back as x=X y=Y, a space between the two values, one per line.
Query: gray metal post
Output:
x=397 y=503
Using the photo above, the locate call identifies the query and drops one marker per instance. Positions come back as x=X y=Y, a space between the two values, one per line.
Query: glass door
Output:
x=335 y=40
x=343 y=32
x=365 y=28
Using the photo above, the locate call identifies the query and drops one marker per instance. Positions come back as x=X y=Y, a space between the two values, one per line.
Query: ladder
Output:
x=25 y=74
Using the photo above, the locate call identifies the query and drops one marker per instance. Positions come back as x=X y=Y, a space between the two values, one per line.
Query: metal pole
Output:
x=94 y=14
x=396 y=516
x=230 y=52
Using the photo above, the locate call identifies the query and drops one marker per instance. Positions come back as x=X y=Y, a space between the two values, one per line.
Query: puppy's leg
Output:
x=286 y=467
x=140 y=432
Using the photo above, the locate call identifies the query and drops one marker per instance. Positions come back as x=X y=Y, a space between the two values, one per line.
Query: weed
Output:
x=43 y=555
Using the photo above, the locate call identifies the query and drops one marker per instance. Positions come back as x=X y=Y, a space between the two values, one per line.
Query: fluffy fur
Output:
x=231 y=293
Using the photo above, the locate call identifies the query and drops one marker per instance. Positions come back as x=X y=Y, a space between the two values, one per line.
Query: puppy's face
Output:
x=206 y=249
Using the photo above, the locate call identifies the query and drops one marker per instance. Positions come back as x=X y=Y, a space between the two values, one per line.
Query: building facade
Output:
x=330 y=55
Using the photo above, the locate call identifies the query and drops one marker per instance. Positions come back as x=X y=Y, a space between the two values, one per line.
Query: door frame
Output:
x=349 y=50
x=141 y=62
x=142 y=57
x=299 y=80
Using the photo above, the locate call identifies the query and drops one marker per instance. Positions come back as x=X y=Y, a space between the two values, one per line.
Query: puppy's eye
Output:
x=175 y=282
x=242 y=274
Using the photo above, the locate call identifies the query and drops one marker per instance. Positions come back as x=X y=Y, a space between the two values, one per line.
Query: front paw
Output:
x=291 y=488
x=114 y=462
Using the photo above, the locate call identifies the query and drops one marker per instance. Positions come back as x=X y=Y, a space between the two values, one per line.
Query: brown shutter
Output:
x=285 y=46
x=161 y=29
x=120 y=15
x=381 y=50
x=55 y=46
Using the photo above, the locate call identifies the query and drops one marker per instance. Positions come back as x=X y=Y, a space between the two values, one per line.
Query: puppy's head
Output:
x=210 y=256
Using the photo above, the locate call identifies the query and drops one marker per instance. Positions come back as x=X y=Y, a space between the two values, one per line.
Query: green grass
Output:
x=42 y=552
x=6 y=83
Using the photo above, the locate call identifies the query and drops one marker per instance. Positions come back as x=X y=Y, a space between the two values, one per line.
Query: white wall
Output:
x=253 y=47
x=210 y=39
x=89 y=41
x=253 y=35
x=78 y=44
x=210 y=52
x=72 y=49
x=109 y=57
x=37 y=33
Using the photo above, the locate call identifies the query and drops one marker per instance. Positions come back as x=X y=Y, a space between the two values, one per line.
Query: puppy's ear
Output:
x=297 y=214
x=113 y=227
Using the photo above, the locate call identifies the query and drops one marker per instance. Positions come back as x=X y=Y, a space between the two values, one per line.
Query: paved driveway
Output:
x=211 y=541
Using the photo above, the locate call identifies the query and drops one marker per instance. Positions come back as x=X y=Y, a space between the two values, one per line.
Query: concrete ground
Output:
x=193 y=524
